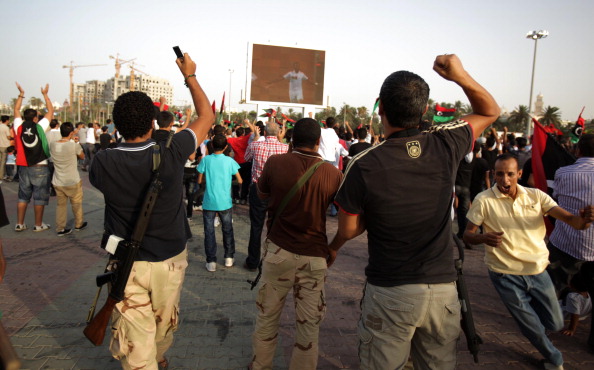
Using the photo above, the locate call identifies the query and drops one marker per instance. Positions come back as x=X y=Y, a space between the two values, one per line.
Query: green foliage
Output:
x=551 y=115
x=518 y=119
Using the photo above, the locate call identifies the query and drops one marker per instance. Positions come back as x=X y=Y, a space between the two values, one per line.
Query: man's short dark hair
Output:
x=507 y=157
x=66 y=128
x=404 y=97
x=4 y=118
x=306 y=133
x=133 y=114
x=330 y=122
x=219 y=130
x=586 y=145
x=90 y=125
x=361 y=133
x=164 y=119
x=219 y=142
x=104 y=128
x=490 y=141
x=240 y=131
x=54 y=123
x=10 y=149
x=108 y=121
x=260 y=126
x=29 y=114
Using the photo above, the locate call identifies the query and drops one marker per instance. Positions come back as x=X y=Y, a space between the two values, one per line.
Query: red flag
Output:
x=547 y=156
x=222 y=104
x=158 y=105
x=288 y=119
x=214 y=107
x=439 y=108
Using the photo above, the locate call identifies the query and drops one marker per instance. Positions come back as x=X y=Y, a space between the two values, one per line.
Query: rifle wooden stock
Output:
x=95 y=330
x=8 y=357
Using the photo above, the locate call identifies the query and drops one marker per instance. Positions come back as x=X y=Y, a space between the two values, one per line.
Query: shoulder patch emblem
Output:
x=413 y=148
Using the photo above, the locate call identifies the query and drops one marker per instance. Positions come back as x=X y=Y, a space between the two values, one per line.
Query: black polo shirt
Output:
x=403 y=189
x=123 y=174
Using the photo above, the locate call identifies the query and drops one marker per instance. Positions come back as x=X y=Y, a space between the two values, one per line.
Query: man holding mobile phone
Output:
x=143 y=323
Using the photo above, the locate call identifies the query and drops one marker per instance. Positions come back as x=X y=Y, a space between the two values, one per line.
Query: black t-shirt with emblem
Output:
x=403 y=190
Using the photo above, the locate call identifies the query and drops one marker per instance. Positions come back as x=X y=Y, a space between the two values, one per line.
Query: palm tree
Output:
x=35 y=102
x=551 y=115
x=518 y=118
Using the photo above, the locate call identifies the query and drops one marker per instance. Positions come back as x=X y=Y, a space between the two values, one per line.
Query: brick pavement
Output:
x=50 y=284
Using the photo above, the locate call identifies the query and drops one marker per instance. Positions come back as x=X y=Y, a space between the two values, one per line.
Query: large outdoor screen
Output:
x=287 y=75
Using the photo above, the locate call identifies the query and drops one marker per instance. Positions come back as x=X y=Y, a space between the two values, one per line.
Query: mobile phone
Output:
x=178 y=52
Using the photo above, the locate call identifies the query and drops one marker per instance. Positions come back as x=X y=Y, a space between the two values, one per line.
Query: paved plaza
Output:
x=49 y=286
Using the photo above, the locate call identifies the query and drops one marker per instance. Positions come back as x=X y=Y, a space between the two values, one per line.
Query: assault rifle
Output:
x=125 y=255
x=473 y=340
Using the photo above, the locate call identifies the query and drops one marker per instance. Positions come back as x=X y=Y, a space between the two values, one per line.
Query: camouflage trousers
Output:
x=283 y=271
x=144 y=322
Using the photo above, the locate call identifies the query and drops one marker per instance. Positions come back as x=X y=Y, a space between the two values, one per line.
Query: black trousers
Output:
x=257 y=219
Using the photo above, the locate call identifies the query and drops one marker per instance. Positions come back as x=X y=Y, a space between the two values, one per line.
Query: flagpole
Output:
x=534 y=35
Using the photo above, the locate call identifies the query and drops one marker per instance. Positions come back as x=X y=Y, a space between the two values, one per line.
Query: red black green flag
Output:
x=443 y=114
x=31 y=144
x=576 y=131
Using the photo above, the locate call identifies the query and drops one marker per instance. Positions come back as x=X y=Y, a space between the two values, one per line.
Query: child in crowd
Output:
x=577 y=305
x=10 y=164
x=218 y=169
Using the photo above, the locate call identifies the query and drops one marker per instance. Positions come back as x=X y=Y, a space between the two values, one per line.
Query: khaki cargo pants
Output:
x=283 y=271
x=144 y=322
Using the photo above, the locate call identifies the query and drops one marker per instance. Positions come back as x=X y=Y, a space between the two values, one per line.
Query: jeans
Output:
x=3 y=156
x=257 y=218
x=210 y=243
x=422 y=320
x=34 y=181
x=463 y=194
x=532 y=302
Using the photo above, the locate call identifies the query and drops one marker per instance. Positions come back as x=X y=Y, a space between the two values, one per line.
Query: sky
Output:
x=364 y=41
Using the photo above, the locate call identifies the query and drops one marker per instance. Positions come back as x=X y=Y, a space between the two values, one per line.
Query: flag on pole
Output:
x=220 y=118
x=547 y=156
x=375 y=106
x=577 y=130
x=214 y=106
x=269 y=112
x=443 y=114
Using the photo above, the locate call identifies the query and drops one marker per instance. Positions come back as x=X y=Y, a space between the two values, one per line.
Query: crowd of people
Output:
x=402 y=187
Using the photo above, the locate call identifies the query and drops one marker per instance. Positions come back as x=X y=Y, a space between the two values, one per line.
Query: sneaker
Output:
x=197 y=208
x=229 y=262
x=20 y=227
x=64 y=232
x=211 y=266
x=43 y=227
x=217 y=221
x=247 y=267
x=81 y=227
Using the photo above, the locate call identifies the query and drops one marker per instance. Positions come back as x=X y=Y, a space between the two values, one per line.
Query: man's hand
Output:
x=21 y=91
x=331 y=257
x=587 y=215
x=568 y=332
x=162 y=100
x=492 y=239
x=186 y=65
x=44 y=90
x=449 y=67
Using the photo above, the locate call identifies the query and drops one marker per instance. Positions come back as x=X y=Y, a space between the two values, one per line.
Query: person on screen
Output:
x=295 y=78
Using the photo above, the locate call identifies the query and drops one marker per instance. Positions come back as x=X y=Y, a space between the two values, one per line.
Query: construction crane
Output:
x=132 y=77
x=119 y=62
x=71 y=67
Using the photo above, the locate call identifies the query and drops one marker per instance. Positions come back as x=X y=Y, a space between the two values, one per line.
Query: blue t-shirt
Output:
x=218 y=169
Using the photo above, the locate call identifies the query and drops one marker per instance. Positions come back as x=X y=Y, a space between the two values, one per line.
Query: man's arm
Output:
x=492 y=239
x=162 y=102
x=19 y=101
x=203 y=108
x=484 y=107
x=239 y=179
x=349 y=227
x=578 y=222
x=200 y=178
x=186 y=122
x=48 y=103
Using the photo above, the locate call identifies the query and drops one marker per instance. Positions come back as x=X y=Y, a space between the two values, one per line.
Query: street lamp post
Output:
x=534 y=35
x=230 y=74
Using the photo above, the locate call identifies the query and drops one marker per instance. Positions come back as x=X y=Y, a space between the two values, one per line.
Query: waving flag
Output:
x=443 y=114
x=577 y=130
